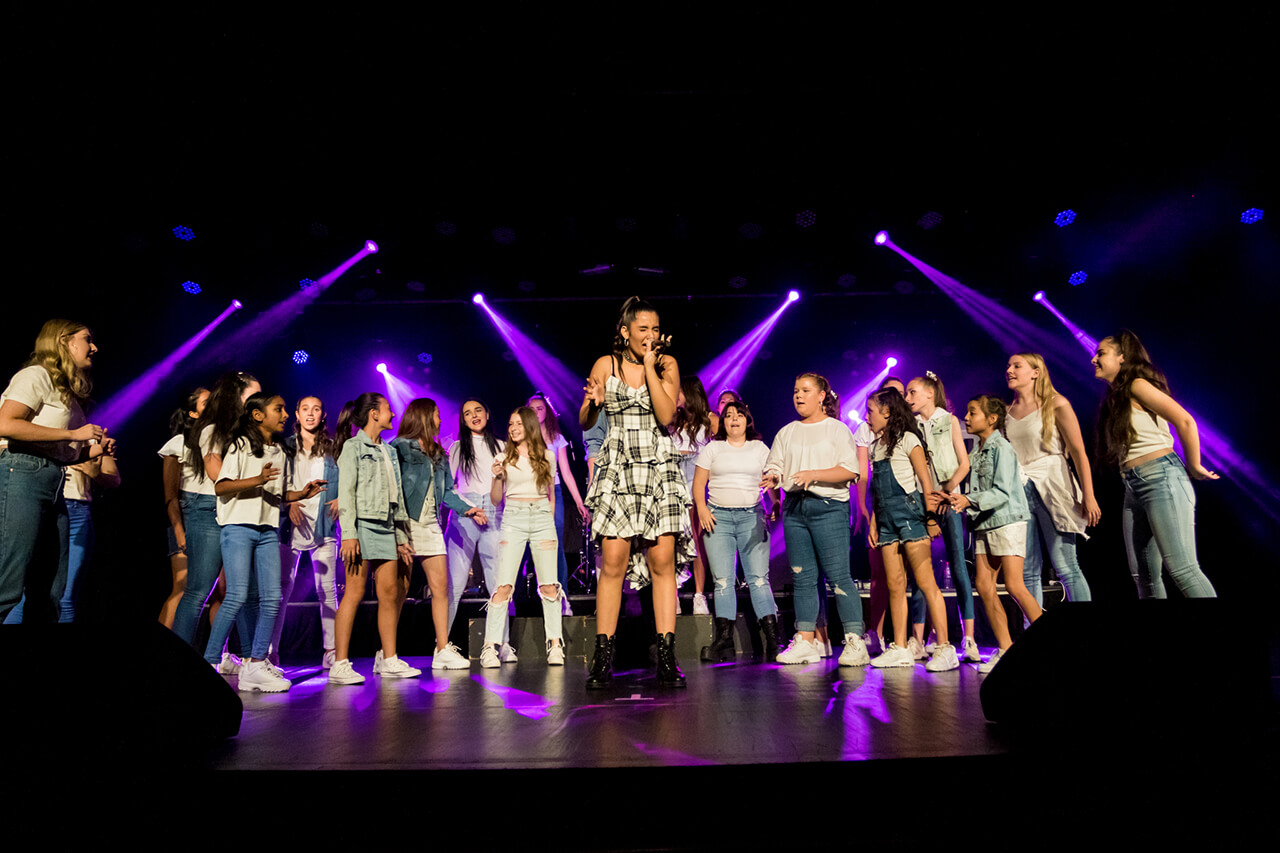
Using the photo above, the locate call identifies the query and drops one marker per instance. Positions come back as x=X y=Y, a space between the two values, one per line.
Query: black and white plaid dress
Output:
x=639 y=491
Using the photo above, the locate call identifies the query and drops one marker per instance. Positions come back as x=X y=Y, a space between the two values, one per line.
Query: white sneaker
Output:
x=275 y=670
x=256 y=677
x=489 y=657
x=506 y=654
x=343 y=673
x=700 y=605
x=231 y=665
x=872 y=641
x=393 y=667
x=990 y=663
x=970 y=652
x=916 y=648
x=800 y=651
x=943 y=659
x=555 y=654
x=327 y=661
x=895 y=655
x=855 y=652
x=449 y=658
x=377 y=662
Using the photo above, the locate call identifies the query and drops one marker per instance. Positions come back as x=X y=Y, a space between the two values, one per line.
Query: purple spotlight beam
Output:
x=728 y=369
x=1078 y=333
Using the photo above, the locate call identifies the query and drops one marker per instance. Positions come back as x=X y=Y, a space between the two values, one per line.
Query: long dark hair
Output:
x=901 y=419
x=222 y=412
x=180 y=422
x=752 y=434
x=830 y=403
x=695 y=415
x=633 y=306
x=355 y=414
x=466 y=447
x=1115 y=418
x=325 y=443
x=247 y=428
x=417 y=424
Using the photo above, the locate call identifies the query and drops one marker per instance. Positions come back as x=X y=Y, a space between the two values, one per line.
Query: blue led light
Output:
x=191 y=287
x=806 y=218
x=1065 y=218
x=424 y=357
x=305 y=283
x=1251 y=215
x=1078 y=277
x=182 y=232
x=930 y=220
x=300 y=356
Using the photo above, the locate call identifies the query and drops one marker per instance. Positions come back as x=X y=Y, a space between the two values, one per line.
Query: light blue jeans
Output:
x=740 y=531
x=248 y=550
x=204 y=563
x=1062 y=553
x=816 y=531
x=530 y=523
x=34 y=532
x=1159 y=523
x=463 y=538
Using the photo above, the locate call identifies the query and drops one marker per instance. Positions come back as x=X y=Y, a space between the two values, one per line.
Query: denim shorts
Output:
x=377 y=539
x=900 y=518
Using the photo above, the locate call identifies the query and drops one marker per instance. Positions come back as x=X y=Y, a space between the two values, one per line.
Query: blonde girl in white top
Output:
x=523 y=478
x=1044 y=432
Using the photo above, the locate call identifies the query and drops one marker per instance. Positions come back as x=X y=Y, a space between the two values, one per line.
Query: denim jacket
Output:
x=942 y=449
x=363 y=492
x=420 y=472
x=996 y=496
x=324 y=524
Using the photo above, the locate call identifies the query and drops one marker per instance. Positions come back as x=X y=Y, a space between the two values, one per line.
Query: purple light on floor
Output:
x=881 y=238
x=673 y=757
x=478 y=299
x=1081 y=336
x=269 y=324
x=728 y=369
x=546 y=372
x=117 y=410
x=525 y=704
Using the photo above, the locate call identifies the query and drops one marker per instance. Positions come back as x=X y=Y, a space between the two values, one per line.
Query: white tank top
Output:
x=1150 y=434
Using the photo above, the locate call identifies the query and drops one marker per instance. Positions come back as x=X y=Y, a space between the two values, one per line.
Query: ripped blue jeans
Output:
x=740 y=531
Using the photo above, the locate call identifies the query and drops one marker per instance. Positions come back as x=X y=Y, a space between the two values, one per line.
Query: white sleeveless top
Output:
x=1151 y=434
x=1046 y=467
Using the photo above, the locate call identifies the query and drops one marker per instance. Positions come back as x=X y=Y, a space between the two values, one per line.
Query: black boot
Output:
x=601 y=674
x=721 y=648
x=669 y=674
x=769 y=629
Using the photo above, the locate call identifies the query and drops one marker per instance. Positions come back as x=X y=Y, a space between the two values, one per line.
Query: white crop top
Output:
x=1149 y=435
x=522 y=483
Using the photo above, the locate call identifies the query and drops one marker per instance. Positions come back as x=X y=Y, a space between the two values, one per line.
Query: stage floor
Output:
x=528 y=715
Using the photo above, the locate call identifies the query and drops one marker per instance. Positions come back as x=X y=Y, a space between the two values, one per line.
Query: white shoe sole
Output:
x=900 y=664
x=413 y=673
x=441 y=664
x=258 y=688
x=358 y=679
x=861 y=660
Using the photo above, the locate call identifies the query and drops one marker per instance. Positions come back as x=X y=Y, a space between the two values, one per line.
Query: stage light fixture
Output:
x=182 y=232
x=446 y=229
x=1039 y=296
x=881 y=238
x=504 y=235
x=930 y=220
x=300 y=356
x=846 y=280
x=478 y=299
x=237 y=304
x=371 y=247
x=737 y=282
x=891 y=362
x=304 y=283
x=382 y=367
x=1065 y=218
x=1078 y=278
x=1251 y=215
x=424 y=357
x=191 y=287
x=806 y=218
x=793 y=295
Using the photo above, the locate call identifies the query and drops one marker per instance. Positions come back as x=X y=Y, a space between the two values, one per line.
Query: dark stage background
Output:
x=659 y=140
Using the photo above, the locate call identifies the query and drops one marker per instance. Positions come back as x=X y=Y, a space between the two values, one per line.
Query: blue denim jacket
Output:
x=363 y=492
x=996 y=496
x=325 y=526
x=594 y=437
x=420 y=472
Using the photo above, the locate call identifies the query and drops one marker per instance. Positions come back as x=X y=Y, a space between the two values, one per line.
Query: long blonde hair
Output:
x=536 y=446
x=53 y=355
x=1046 y=395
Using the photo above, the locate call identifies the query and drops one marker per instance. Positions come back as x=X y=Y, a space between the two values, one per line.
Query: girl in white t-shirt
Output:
x=899 y=461
x=522 y=481
x=733 y=519
x=178 y=475
x=42 y=429
x=250 y=490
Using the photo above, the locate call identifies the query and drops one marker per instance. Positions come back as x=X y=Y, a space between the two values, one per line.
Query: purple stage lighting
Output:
x=890 y=362
x=478 y=299
x=793 y=295
x=237 y=304
x=304 y=283
x=1253 y=214
x=121 y=406
x=846 y=280
x=1065 y=218
x=382 y=367
x=1078 y=278
x=424 y=357
x=728 y=369
x=598 y=269
x=1078 y=333
x=300 y=356
x=371 y=247
x=853 y=403
x=1039 y=295
x=182 y=232
x=400 y=392
x=191 y=287
x=881 y=238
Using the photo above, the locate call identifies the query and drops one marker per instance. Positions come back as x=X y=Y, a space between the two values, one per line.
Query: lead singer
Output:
x=638 y=499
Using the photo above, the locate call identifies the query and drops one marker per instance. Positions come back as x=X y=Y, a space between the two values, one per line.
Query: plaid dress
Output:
x=638 y=492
